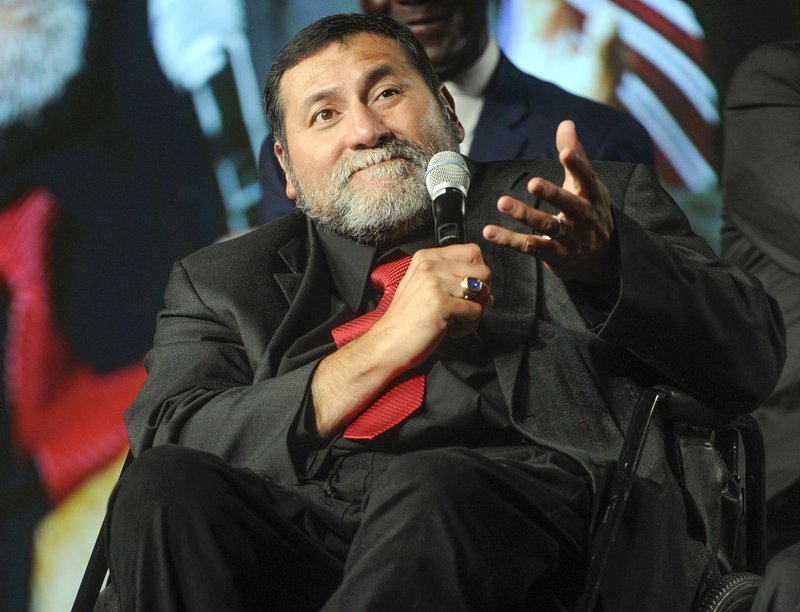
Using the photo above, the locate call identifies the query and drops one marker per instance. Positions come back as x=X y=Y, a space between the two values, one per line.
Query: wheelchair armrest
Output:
x=678 y=405
x=729 y=431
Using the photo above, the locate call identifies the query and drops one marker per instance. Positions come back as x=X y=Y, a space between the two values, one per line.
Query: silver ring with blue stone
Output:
x=471 y=287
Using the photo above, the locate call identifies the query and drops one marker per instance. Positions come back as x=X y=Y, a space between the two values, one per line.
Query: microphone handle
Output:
x=448 y=217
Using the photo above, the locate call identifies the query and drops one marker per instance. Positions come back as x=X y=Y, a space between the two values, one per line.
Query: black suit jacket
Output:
x=521 y=113
x=683 y=315
x=761 y=212
x=762 y=151
x=518 y=121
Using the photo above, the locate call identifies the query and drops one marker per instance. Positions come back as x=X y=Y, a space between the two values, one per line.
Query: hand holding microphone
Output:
x=447 y=179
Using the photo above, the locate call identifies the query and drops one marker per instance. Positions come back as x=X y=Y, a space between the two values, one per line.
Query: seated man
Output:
x=506 y=114
x=448 y=450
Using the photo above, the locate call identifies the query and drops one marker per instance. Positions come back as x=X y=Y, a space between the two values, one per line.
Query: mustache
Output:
x=364 y=159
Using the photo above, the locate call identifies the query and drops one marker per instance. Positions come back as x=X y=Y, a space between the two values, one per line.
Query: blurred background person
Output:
x=761 y=199
x=203 y=48
x=646 y=57
x=105 y=179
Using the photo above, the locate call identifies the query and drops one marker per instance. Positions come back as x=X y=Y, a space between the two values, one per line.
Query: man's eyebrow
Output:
x=376 y=74
x=317 y=96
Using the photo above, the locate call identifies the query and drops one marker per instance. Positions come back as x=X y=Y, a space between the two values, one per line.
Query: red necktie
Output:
x=401 y=398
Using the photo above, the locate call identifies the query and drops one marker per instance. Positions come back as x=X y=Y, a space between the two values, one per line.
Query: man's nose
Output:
x=367 y=129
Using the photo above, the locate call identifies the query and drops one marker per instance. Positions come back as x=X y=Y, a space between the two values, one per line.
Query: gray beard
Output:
x=41 y=50
x=368 y=217
x=391 y=214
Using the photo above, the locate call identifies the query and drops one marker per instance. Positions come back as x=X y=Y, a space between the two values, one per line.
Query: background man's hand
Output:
x=576 y=243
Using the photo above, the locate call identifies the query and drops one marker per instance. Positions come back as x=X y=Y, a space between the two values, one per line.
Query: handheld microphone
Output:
x=447 y=180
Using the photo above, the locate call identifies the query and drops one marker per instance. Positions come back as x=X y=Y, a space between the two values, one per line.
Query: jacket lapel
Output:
x=293 y=255
x=306 y=288
x=508 y=324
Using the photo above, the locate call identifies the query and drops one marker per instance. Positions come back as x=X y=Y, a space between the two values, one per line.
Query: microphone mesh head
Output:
x=447 y=169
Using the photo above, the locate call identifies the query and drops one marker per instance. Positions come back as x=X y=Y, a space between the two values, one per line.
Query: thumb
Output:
x=569 y=147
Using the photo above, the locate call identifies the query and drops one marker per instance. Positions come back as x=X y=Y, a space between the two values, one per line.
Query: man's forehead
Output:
x=362 y=46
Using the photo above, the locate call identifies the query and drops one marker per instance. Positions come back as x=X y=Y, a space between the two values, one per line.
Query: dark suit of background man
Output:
x=506 y=113
x=246 y=494
x=761 y=189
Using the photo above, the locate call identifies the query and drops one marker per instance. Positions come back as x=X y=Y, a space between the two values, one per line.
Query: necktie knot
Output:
x=385 y=278
x=389 y=274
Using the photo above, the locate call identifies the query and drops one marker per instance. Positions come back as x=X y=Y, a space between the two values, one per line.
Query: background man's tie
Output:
x=400 y=398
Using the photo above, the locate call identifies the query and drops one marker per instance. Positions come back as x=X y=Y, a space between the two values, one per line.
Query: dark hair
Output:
x=338 y=28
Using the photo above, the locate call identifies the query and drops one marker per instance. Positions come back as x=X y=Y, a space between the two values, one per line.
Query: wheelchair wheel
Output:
x=731 y=593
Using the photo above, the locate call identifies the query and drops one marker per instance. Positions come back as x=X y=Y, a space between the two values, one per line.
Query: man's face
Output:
x=360 y=126
x=453 y=32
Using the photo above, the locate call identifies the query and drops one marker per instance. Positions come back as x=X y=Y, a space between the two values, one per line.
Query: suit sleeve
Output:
x=201 y=391
x=706 y=324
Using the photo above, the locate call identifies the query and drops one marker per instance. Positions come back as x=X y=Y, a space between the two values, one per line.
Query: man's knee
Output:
x=165 y=481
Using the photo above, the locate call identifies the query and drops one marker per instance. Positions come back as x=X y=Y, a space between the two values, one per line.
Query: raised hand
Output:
x=575 y=244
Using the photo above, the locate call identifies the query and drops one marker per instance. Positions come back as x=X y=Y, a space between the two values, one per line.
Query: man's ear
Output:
x=450 y=105
x=291 y=192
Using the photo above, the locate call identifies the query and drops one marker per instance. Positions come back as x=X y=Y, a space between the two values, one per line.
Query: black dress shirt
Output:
x=463 y=403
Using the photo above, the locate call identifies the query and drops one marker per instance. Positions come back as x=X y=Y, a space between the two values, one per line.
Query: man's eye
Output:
x=388 y=93
x=323 y=116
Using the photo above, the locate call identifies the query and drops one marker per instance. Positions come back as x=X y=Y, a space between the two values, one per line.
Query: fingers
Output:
x=454 y=261
x=567 y=137
x=543 y=246
x=575 y=243
x=579 y=176
x=569 y=202
x=541 y=222
x=547 y=226
x=469 y=252
x=444 y=271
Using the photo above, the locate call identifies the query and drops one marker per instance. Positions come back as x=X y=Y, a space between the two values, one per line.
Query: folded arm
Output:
x=201 y=390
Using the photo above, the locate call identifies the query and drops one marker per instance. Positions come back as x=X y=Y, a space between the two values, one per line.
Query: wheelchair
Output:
x=704 y=449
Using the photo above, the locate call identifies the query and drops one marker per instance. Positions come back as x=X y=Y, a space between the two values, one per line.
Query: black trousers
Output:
x=445 y=529
x=780 y=591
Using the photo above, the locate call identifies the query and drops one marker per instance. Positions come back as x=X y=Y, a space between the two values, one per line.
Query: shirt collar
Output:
x=351 y=262
x=474 y=80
